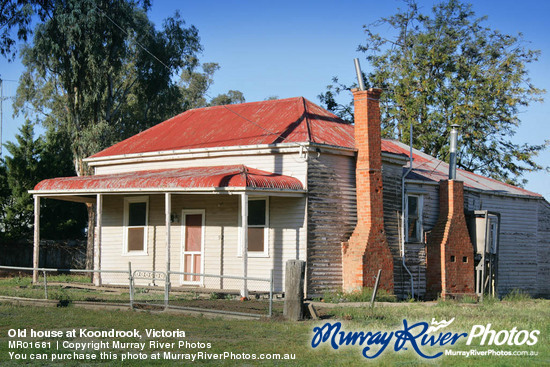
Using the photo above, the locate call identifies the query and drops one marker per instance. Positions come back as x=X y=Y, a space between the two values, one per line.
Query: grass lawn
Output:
x=276 y=336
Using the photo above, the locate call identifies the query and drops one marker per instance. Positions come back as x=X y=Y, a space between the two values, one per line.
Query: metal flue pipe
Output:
x=360 y=81
x=452 y=161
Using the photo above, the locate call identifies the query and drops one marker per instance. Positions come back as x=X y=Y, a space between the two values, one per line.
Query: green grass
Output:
x=276 y=336
x=363 y=295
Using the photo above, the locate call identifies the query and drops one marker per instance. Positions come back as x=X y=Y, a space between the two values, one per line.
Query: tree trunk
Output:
x=91 y=236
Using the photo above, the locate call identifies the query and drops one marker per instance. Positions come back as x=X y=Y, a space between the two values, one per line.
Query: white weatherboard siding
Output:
x=287 y=239
x=543 y=256
x=517 y=256
x=289 y=164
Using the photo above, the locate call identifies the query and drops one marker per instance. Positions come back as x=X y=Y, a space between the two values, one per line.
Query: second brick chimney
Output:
x=367 y=249
x=450 y=254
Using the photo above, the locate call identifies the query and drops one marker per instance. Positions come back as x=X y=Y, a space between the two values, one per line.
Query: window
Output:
x=258 y=226
x=414 y=218
x=135 y=225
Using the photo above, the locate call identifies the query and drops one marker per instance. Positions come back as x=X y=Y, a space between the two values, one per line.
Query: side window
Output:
x=414 y=218
x=135 y=225
x=258 y=227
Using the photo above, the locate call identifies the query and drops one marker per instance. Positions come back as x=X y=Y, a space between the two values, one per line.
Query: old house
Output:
x=286 y=179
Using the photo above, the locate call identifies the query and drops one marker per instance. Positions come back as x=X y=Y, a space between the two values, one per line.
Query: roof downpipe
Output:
x=360 y=81
x=452 y=161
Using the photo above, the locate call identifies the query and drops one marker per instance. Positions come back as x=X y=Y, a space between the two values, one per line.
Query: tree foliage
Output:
x=194 y=86
x=30 y=161
x=91 y=72
x=448 y=68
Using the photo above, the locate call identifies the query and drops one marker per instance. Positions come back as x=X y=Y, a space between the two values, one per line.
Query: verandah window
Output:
x=258 y=227
x=135 y=225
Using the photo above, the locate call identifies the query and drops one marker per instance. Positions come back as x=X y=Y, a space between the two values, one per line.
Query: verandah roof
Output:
x=184 y=179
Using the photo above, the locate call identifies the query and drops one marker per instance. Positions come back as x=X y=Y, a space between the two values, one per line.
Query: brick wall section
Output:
x=367 y=249
x=450 y=253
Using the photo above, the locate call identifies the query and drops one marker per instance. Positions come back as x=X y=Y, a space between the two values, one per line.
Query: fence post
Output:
x=45 y=285
x=271 y=295
x=294 y=289
x=166 y=289
x=131 y=285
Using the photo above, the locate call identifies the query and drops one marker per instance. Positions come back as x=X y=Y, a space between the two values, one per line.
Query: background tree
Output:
x=98 y=71
x=448 y=68
x=194 y=87
x=29 y=161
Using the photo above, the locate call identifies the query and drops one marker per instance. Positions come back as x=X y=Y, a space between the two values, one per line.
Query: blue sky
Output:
x=294 y=48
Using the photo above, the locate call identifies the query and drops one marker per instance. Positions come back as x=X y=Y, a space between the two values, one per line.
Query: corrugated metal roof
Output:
x=430 y=169
x=268 y=122
x=292 y=120
x=170 y=179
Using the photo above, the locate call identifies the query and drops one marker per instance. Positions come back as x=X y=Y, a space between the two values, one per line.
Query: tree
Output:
x=17 y=14
x=98 y=71
x=23 y=172
x=448 y=68
x=194 y=87
x=231 y=97
x=30 y=161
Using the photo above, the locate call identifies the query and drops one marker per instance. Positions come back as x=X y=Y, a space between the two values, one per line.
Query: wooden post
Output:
x=97 y=246
x=244 y=241
x=294 y=289
x=36 y=248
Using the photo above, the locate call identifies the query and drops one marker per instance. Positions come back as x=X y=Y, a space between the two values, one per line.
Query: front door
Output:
x=192 y=246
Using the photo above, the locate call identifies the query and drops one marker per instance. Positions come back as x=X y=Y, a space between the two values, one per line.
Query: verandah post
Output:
x=244 y=241
x=167 y=212
x=36 y=247
x=97 y=247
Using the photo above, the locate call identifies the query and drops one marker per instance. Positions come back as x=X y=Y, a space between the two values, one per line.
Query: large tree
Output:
x=100 y=71
x=445 y=68
x=29 y=161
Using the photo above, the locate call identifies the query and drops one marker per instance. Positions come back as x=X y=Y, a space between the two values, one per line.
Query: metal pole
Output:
x=360 y=81
x=271 y=295
x=131 y=285
x=452 y=161
x=45 y=285
x=375 y=290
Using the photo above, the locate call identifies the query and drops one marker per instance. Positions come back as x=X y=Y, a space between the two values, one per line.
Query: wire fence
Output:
x=143 y=289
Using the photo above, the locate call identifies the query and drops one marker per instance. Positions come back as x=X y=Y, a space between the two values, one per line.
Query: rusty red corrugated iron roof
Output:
x=180 y=178
x=292 y=120
x=430 y=169
x=289 y=120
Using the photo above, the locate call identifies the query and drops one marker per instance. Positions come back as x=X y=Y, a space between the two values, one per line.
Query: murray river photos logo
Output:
x=420 y=336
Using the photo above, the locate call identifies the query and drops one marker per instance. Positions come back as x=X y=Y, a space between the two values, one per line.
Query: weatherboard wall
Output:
x=332 y=216
x=518 y=254
x=221 y=239
x=290 y=164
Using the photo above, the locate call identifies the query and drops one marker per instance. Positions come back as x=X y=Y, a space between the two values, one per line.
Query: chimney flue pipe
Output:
x=360 y=81
x=452 y=161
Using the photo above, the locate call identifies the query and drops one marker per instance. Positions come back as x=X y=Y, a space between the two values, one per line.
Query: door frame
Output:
x=185 y=212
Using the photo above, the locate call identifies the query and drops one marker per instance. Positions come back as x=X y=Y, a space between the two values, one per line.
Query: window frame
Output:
x=265 y=252
x=419 y=222
x=126 y=226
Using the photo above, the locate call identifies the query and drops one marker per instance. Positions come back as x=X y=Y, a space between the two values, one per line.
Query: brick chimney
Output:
x=450 y=254
x=367 y=249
